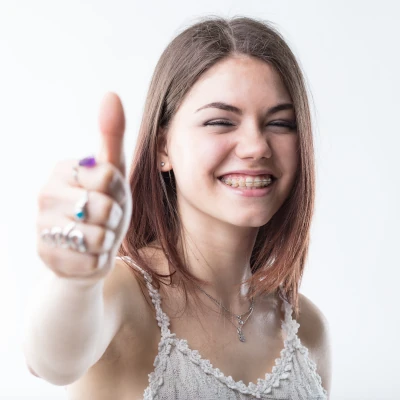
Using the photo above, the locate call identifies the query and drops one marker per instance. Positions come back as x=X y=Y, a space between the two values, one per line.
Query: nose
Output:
x=253 y=143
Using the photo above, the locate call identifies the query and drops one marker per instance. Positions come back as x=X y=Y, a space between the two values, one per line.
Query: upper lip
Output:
x=253 y=172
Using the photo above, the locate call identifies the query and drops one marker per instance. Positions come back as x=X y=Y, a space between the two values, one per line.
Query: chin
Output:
x=250 y=222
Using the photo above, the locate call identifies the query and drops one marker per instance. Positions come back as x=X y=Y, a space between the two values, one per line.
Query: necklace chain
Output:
x=238 y=317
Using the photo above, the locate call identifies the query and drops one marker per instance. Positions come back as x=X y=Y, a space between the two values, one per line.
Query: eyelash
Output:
x=281 y=124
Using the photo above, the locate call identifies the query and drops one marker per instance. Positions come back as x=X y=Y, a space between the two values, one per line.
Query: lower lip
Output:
x=245 y=192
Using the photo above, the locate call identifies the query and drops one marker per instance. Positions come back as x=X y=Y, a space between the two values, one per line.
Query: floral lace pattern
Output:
x=281 y=370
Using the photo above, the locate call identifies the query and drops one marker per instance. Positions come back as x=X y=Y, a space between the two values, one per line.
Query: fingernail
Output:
x=87 y=162
x=115 y=216
x=108 y=240
x=102 y=260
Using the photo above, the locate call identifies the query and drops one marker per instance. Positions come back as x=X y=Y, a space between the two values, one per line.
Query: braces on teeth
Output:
x=249 y=182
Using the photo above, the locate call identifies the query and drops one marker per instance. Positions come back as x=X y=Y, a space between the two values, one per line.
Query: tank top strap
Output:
x=290 y=326
x=162 y=318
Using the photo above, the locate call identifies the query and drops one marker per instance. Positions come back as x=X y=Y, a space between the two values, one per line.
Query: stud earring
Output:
x=162 y=163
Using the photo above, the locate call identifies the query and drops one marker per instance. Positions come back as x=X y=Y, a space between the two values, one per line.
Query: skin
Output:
x=220 y=229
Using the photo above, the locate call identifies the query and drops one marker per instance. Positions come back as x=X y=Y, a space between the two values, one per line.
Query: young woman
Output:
x=211 y=235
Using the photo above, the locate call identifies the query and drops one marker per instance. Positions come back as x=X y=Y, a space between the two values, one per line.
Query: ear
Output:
x=162 y=150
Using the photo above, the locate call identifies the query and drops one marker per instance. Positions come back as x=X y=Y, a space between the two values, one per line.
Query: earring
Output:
x=162 y=163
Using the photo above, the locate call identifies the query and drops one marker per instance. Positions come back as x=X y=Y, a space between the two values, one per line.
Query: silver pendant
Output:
x=239 y=329
x=241 y=336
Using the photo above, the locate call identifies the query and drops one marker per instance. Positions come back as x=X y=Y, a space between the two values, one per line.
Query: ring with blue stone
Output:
x=81 y=208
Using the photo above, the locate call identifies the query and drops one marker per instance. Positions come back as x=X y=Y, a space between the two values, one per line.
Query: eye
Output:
x=279 y=124
x=218 y=122
x=284 y=124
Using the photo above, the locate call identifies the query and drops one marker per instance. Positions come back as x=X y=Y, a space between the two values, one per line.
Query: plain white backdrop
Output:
x=58 y=58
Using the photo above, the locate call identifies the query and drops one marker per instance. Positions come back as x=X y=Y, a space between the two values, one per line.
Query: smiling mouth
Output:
x=250 y=182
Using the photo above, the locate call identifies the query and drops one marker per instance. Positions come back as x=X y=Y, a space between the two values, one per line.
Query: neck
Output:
x=220 y=255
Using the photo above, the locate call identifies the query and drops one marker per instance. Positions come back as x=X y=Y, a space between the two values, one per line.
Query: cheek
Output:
x=286 y=160
x=198 y=154
x=286 y=153
x=212 y=155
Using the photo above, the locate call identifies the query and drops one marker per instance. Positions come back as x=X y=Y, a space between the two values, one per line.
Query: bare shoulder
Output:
x=315 y=335
x=132 y=288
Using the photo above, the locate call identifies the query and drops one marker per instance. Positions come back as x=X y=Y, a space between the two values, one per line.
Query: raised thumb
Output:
x=112 y=127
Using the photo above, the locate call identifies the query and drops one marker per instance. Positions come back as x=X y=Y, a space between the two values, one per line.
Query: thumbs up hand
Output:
x=85 y=207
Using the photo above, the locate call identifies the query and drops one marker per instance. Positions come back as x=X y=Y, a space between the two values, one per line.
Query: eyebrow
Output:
x=236 y=110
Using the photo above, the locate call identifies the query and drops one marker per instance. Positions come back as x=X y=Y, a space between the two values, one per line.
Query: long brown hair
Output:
x=281 y=247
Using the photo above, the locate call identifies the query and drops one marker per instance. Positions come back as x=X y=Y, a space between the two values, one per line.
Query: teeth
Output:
x=247 y=181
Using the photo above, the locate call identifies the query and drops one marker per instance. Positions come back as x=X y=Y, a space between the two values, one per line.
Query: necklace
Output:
x=241 y=322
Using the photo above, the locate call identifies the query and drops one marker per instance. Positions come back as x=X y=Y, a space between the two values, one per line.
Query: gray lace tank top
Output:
x=181 y=373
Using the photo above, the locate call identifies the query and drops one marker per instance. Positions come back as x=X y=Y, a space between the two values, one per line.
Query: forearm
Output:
x=63 y=329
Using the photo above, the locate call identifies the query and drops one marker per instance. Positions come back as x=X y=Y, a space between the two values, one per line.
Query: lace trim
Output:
x=292 y=329
x=280 y=371
x=313 y=368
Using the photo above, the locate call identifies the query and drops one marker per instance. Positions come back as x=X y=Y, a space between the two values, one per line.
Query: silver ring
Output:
x=69 y=237
x=52 y=237
x=64 y=243
x=81 y=208
x=76 y=241
x=75 y=170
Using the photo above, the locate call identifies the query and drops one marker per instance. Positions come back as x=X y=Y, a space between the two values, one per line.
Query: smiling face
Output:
x=223 y=154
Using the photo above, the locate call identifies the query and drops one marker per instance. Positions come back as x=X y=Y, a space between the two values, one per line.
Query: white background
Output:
x=58 y=58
